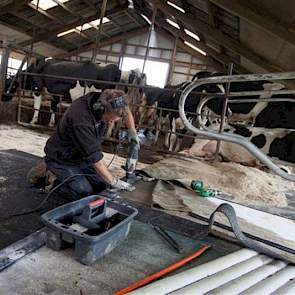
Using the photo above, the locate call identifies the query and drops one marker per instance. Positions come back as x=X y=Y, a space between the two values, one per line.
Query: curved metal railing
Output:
x=234 y=138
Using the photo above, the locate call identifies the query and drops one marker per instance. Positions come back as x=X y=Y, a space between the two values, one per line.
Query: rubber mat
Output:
x=17 y=196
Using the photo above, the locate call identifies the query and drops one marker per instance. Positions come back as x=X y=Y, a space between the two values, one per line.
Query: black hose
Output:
x=38 y=208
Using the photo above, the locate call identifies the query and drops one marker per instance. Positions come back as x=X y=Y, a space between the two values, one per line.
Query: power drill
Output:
x=132 y=158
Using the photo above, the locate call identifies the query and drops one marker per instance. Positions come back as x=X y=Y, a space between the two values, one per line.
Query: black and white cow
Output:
x=68 y=88
x=8 y=96
x=168 y=98
x=72 y=89
x=138 y=79
x=251 y=112
x=261 y=114
x=277 y=142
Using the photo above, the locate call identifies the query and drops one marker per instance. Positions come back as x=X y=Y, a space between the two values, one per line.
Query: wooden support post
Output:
x=3 y=68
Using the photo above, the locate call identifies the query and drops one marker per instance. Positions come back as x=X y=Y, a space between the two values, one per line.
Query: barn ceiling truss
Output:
x=69 y=25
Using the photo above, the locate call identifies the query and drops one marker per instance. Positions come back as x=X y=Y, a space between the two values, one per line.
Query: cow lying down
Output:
x=278 y=143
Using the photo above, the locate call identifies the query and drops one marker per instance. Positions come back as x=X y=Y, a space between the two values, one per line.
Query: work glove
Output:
x=132 y=136
x=122 y=185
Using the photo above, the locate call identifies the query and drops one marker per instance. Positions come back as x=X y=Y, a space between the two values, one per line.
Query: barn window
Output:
x=146 y=19
x=13 y=66
x=176 y=6
x=92 y=24
x=191 y=34
x=156 y=72
x=86 y=26
x=195 y=48
x=47 y=4
x=172 y=23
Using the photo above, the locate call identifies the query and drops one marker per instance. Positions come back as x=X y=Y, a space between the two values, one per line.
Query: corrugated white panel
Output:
x=222 y=277
x=243 y=283
x=243 y=272
x=192 y=275
x=287 y=289
x=273 y=282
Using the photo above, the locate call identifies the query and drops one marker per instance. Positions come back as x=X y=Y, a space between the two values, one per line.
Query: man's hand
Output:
x=132 y=136
x=122 y=185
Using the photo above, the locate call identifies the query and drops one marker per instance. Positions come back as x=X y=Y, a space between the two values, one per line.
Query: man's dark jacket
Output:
x=78 y=136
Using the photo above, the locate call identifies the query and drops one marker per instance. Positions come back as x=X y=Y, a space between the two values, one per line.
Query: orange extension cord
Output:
x=162 y=272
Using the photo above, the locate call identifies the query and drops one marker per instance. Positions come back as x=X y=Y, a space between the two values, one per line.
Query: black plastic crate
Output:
x=90 y=243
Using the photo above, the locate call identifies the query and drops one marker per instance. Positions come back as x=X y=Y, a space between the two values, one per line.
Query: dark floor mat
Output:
x=16 y=196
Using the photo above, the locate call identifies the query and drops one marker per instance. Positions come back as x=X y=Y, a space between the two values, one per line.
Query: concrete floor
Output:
x=49 y=272
x=141 y=254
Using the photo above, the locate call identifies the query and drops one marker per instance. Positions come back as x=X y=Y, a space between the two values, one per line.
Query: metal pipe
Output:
x=206 y=99
x=242 y=283
x=259 y=92
x=102 y=14
x=211 y=282
x=170 y=284
x=224 y=109
x=237 y=139
x=152 y=28
x=232 y=94
x=281 y=99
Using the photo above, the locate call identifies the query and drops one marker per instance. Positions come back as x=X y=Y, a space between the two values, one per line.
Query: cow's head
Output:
x=143 y=103
x=139 y=80
x=7 y=96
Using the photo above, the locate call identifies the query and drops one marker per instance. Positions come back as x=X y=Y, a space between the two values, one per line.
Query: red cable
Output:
x=162 y=272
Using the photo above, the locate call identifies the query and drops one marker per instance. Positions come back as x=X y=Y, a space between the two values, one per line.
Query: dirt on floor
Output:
x=245 y=185
x=33 y=142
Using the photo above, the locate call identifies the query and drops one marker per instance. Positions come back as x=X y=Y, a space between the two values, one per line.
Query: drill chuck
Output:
x=132 y=157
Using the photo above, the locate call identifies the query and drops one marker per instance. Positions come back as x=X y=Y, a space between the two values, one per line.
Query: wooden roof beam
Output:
x=268 y=24
x=15 y=5
x=66 y=8
x=90 y=4
x=115 y=39
x=48 y=35
x=219 y=36
x=207 y=59
x=222 y=58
